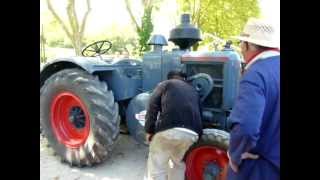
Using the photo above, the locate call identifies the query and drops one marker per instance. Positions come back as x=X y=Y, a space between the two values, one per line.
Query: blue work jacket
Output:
x=255 y=122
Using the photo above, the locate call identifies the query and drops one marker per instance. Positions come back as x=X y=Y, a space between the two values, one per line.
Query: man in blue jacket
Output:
x=254 y=151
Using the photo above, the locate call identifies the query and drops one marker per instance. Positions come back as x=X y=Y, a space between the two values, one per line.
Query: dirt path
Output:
x=128 y=161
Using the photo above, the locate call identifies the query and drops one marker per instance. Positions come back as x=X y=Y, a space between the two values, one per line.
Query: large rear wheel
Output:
x=79 y=117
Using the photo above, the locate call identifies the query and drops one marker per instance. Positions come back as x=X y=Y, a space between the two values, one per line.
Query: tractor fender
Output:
x=135 y=116
x=88 y=64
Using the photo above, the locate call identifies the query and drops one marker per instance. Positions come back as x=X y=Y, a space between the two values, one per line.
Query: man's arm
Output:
x=153 y=108
x=246 y=117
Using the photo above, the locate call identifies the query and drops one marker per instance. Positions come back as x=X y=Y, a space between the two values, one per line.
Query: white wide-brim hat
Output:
x=260 y=32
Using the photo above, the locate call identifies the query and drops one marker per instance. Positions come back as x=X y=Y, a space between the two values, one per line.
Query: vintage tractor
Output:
x=83 y=100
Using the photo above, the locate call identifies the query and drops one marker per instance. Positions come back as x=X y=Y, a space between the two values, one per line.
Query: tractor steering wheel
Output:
x=97 y=48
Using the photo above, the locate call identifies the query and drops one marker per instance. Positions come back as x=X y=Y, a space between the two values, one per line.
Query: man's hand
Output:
x=247 y=155
x=233 y=166
x=149 y=137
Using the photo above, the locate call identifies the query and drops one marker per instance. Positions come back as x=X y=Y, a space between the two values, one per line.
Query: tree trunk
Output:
x=77 y=44
x=76 y=32
x=133 y=19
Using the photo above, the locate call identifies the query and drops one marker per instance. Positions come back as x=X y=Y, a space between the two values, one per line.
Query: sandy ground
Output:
x=128 y=161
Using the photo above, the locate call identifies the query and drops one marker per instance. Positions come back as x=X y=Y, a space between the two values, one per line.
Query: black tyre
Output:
x=79 y=117
x=207 y=159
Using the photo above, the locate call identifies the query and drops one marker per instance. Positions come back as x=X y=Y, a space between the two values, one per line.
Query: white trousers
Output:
x=166 y=152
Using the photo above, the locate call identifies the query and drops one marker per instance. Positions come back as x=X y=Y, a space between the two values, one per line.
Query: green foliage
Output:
x=123 y=45
x=145 y=28
x=145 y=31
x=220 y=18
x=55 y=37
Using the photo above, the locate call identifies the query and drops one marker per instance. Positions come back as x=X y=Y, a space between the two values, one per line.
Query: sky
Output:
x=106 y=13
x=270 y=9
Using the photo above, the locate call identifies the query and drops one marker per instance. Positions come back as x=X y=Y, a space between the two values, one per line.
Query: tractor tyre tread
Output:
x=103 y=112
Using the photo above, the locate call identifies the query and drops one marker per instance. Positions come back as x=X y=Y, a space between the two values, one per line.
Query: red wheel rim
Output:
x=70 y=120
x=201 y=157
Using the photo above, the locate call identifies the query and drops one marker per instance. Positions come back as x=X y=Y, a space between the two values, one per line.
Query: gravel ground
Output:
x=128 y=161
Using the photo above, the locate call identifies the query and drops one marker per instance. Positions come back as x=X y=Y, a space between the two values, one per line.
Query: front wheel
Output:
x=207 y=159
x=79 y=117
x=135 y=117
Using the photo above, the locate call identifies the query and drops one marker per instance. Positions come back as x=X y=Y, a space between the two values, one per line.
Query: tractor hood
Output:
x=92 y=64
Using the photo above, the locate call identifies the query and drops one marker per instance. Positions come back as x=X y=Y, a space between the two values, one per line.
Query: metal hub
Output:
x=77 y=117
x=211 y=172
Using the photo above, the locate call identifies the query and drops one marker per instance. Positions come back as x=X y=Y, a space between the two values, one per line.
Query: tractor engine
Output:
x=215 y=75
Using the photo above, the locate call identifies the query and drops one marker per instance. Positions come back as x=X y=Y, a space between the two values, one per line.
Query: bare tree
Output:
x=75 y=32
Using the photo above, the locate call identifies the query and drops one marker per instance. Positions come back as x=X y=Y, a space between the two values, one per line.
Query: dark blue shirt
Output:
x=179 y=106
